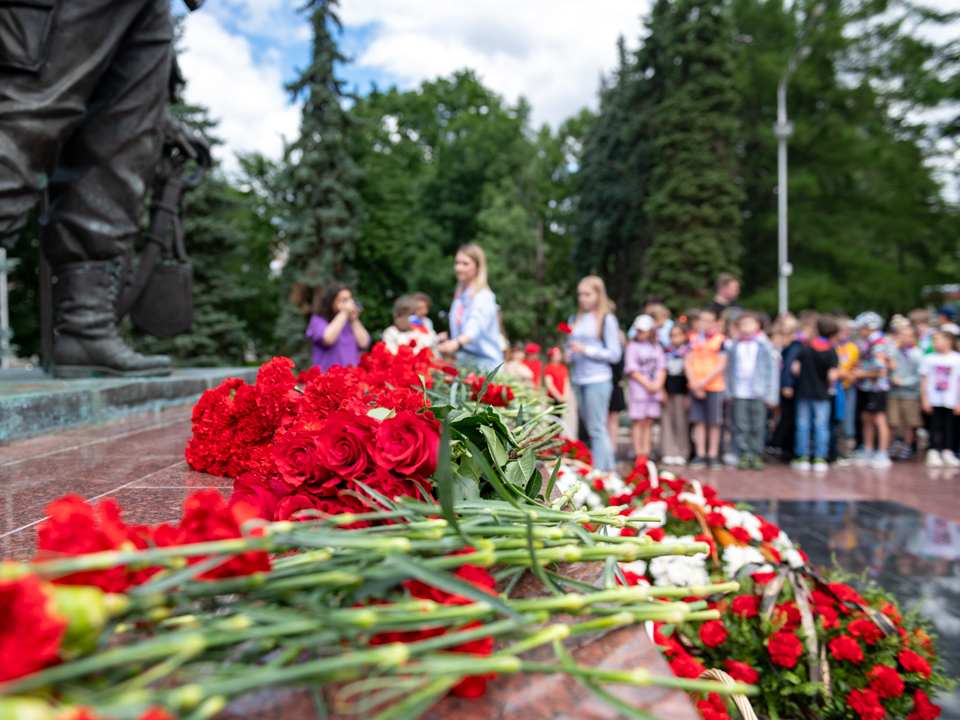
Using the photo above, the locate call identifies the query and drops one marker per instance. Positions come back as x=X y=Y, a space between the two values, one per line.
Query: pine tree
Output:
x=695 y=199
x=319 y=181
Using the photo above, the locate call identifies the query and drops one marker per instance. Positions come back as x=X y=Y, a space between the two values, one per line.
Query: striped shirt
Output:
x=593 y=365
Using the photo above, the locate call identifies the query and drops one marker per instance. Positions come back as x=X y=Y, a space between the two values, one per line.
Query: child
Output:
x=921 y=323
x=403 y=331
x=873 y=384
x=675 y=420
x=753 y=383
x=795 y=333
x=939 y=390
x=848 y=354
x=556 y=377
x=424 y=304
x=516 y=368
x=661 y=316
x=816 y=373
x=903 y=403
x=704 y=366
x=646 y=367
x=532 y=351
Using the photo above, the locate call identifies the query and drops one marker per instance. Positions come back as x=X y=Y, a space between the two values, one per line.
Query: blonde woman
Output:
x=474 y=325
x=593 y=346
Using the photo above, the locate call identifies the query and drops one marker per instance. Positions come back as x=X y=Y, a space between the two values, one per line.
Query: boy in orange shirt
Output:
x=705 y=365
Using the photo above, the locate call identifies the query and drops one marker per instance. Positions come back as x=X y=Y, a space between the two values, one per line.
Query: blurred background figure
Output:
x=516 y=367
x=335 y=329
x=475 y=333
x=407 y=328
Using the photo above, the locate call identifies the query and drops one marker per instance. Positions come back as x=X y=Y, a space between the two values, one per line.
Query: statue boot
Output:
x=87 y=343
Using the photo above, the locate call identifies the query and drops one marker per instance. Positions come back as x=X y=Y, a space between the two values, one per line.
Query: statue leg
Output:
x=97 y=194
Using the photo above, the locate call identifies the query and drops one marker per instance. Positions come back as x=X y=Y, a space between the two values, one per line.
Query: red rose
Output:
x=866 y=704
x=345 y=442
x=713 y=633
x=686 y=666
x=846 y=648
x=31 y=630
x=746 y=606
x=865 y=630
x=740 y=534
x=923 y=709
x=657 y=534
x=715 y=519
x=316 y=507
x=784 y=648
x=789 y=614
x=741 y=671
x=828 y=616
x=885 y=681
x=298 y=456
x=391 y=486
x=682 y=513
x=408 y=444
x=914 y=663
x=260 y=493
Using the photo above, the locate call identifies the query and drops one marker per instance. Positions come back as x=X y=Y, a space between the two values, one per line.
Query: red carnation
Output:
x=276 y=396
x=846 y=648
x=403 y=399
x=789 y=614
x=885 y=681
x=768 y=531
x=713 y=633
x=821 y=598
x=828 y=616
x=708 y=540
x=741 y=671
x=762 y=578
x=74 y=527
x=865 y=629
x=866 y=704
x=746 y=606
x=657 y=534
x=683 y=513
x=740 y=534
x=30 y=628
x=846 y=593
x=408 y=444
x=914 y=663
x=206 y=518
x=669 y=645
x=715 y=519
x=156 y=713
x=338 y=389
x=890 y=610
x=686 y=666
x=784 y=648
x=923 y=709
x=713 y=708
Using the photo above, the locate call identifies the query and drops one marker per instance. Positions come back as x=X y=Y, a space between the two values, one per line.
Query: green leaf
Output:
x=528 y=463
x=444 y=477
x=490 y=475
x=497 y=452
x=514 y=474
x=379 y=413
x=533 y=487
x=465 y=488
x=553 y=481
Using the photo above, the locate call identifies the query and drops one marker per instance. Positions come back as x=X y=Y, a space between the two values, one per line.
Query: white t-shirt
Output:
x=746 y=366
x=941 y=377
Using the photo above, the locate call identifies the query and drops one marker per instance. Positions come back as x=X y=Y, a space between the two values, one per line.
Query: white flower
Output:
x=793 y=558
x=692 y=498
x=638 y=567
x=735 y=557
x=657 y=509
x=679 y=570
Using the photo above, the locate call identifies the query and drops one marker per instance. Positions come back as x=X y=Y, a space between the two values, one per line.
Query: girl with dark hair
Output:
x=335 y=329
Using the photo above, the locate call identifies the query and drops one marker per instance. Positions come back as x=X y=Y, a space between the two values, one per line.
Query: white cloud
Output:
x=246 y=97
x=550 y=51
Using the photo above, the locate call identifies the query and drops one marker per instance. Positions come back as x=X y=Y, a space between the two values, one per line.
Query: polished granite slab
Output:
x=32 y=402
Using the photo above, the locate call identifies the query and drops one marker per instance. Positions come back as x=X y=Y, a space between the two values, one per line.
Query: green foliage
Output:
x=695 y=202
x=318 y=183
x=23 y=290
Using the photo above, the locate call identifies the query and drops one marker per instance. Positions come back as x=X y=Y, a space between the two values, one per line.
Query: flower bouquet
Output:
x=370 y=550
x=815 y=646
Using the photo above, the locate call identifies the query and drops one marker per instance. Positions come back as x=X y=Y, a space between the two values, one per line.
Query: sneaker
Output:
x=714 y=463
x=880 y=461
x=863 y=457
x=697 y=463
x=757 y=463
x=731 y=459
x=933 y=459
x=949 y=459
x=800 y=464
x=679 y=461
x=743 y=463
x=820 y=465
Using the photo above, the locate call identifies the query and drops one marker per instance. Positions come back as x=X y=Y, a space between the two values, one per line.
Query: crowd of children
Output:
x=810 y=390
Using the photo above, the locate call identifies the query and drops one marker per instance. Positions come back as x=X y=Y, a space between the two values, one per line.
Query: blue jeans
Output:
x=850 y=412
x=594 y=402
x=820 y=412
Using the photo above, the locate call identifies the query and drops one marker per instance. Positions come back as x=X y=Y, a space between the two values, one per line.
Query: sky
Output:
x=237 y=55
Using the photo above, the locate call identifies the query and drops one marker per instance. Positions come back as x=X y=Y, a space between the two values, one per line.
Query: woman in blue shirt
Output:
x=593 y=346
x=474 y=324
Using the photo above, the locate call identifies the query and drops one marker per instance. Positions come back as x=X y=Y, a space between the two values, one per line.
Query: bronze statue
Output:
x=82 y=90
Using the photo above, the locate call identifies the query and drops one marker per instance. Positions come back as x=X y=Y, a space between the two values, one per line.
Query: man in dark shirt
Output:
x=728 y=290
x=816 y=373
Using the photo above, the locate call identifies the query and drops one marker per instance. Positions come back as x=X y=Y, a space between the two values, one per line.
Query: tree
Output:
x=323 y=209
x=695 y=200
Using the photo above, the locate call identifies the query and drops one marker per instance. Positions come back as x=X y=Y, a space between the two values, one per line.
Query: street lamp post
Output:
x=783 y=130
